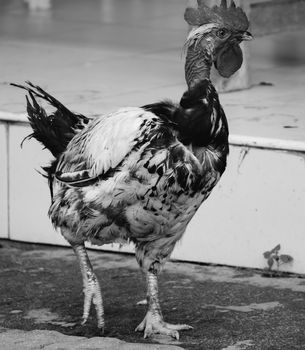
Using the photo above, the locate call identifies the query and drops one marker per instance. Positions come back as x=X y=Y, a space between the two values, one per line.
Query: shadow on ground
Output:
x=41 y=289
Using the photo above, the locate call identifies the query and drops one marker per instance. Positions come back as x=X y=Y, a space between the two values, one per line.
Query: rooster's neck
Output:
x=197 y=65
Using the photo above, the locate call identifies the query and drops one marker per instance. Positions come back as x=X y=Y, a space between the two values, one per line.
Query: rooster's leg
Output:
x=92 y=291
x=153 y=322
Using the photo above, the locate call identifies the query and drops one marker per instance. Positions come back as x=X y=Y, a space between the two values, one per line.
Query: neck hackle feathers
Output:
x=224 y=15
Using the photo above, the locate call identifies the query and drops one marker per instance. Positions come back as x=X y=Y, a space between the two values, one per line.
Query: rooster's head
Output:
x=215 y=38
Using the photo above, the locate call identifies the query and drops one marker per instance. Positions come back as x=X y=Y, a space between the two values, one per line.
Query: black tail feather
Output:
x=55 y=130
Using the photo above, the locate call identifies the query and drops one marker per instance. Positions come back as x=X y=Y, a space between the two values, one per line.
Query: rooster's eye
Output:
x=222 y=33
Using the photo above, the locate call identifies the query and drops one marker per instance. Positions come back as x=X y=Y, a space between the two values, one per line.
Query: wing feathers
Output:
x=103 y=145
x=77 y=178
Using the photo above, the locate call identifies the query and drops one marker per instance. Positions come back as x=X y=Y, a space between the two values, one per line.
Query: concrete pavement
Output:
x=229 y=308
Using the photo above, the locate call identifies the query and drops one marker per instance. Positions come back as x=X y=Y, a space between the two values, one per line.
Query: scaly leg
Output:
x=153 y=322
x=91 y=285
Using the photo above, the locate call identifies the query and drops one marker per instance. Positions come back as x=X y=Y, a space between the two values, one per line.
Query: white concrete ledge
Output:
x=267 y=143
x=9 y=117
x=235 y=140
x=260 y=201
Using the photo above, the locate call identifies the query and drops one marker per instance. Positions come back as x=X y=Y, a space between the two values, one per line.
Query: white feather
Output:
x=106 y=141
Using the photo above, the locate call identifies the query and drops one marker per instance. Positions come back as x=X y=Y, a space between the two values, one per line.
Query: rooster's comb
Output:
x=227 y=16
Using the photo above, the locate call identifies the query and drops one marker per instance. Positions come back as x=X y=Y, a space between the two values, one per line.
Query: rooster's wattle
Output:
x=139 y=174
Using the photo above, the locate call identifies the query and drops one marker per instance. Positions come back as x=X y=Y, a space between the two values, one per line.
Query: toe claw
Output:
x=179 y=327
x=148 y=332
x=93 y=296
x=154 y=324
x=140 y=327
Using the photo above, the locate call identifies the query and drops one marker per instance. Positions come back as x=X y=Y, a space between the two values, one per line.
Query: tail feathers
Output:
x=55 y=130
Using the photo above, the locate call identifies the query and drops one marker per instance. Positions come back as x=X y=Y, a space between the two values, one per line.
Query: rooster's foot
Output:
x=93 y=295
x=154 y=324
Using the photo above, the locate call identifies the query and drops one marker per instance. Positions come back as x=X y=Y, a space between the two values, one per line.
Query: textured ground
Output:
x=230 y=309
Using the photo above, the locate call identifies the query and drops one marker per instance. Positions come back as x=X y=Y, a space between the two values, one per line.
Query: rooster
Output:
x=140 y=174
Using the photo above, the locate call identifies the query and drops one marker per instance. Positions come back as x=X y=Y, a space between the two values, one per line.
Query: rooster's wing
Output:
x=104 y=145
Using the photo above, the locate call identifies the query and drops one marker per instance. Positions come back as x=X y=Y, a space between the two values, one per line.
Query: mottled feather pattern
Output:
x=147 y=179
x=138 y=174
x=104 y=144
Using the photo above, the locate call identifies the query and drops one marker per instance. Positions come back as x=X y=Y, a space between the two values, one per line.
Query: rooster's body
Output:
x=139 y=182
x=138 y=174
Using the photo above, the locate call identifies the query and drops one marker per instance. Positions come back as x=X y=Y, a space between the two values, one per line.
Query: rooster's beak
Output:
x=246 y=36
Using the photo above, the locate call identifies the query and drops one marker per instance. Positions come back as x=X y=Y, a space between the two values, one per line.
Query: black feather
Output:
x=55 y=130
x=164 y=110
x=192 y=118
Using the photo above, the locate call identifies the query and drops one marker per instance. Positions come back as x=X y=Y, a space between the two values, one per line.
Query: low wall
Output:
x=258 y=203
